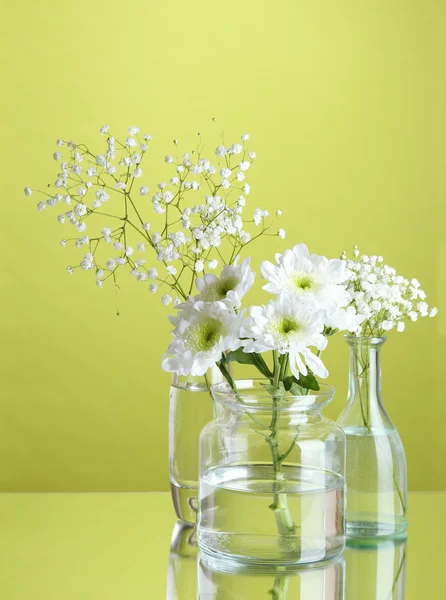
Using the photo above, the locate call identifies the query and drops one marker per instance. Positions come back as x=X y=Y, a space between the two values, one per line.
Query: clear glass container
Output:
x=239 y=581
x=376 y=472
x=182 y=571
x=271 y=477
x=191 y=408
x=376 y=570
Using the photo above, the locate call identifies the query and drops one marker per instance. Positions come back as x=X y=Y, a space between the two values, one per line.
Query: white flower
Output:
x=137 y=172
x=87 y=263
x=220 y=151
x=213 y=264
x=129 y=251
x=246 y=188
x=252 y=155
x=152 y=273
x=233 y=284
x=141 y=246
x=281 y=233
x=146 y=226
x=110 y=264
x=400 y=327
x=289 y=325
x=244 y=165
x=297 y=272
x=156 y=237
x=153 y=288
x=167 y=197
x=80 y=209
x=236 y=148
x=63 y=243
x=104 y=129
x=41 y=205
x=166 y=299
x=70 y=270
x=130 y=142
x=278 y=213
x=245 y=137
x=120 y=185
x=168 y=159
x=57 y=155
x=199 y=266
x=202 y=333
x=133 y=130
x=59 y=143
x=245 y=237
x=28 y=191
x=171 y=270
x=225 y=173
x=433 y=311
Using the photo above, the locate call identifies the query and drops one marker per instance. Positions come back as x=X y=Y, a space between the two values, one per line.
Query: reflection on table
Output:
x=364 y=572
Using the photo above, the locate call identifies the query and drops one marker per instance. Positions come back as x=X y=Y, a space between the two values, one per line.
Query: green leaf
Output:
x=297 y=386
x=244 y=358
x=309 y=381
x=249 y=358
x=280 y=391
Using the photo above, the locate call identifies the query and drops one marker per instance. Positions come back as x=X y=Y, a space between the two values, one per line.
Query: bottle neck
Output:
x=365 y=389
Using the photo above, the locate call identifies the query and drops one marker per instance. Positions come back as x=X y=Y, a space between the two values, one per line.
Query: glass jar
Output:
x=191 y=408
x=376 y=473
x=223 y=581
x=271 y=477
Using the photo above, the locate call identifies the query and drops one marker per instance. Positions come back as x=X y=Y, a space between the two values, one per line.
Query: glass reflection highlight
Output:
x=376 y=571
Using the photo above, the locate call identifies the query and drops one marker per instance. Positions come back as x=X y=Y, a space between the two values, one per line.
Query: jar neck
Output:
x=252 y=419
x=365 y=386
x=200 y=382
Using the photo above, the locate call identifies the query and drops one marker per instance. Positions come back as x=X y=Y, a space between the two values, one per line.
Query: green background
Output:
x=345 y=104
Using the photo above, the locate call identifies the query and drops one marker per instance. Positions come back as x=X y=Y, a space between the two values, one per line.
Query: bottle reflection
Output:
x=182 y=571
x=376 y=571
x=232 y=581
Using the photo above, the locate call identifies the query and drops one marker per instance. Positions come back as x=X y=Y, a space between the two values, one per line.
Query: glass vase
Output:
x=376 y=570
x=191 y=408
x=222 y=581
x=376 y=472
x=271 y=477
x=182 y=571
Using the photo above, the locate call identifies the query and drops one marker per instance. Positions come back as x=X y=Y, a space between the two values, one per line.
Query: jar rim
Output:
x=260 y=400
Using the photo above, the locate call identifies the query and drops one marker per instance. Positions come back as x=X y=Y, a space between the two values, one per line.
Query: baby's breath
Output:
x=198 y=214
x=385 y=298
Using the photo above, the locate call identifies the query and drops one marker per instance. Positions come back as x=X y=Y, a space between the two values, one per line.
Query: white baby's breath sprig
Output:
x=386 y=299
x=198 y=209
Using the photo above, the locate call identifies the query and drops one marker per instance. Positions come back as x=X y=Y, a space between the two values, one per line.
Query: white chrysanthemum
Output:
x=202 y=333
x=298 y=272
x=291 y=325
x=233 y=283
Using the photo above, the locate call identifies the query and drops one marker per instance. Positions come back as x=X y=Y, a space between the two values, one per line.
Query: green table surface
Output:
x=118 y=546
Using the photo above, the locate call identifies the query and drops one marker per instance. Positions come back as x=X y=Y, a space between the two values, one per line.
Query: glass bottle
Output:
x=376 y=473
x=191 y=408
x=376 y=570
x=271 y=477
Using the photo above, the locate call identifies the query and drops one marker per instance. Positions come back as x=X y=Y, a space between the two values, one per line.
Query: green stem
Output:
x=284 y=520
x=280 y=589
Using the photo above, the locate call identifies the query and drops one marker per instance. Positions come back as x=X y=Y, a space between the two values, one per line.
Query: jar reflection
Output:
x=182 y=570
x=376 y=571
x=235 y=581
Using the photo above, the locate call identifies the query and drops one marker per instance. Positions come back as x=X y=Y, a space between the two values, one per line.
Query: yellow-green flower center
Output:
x=204 y=336
x=219 y=289
x=302 y=282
